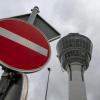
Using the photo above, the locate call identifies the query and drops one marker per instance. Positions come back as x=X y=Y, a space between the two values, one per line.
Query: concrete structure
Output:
x=74 y=52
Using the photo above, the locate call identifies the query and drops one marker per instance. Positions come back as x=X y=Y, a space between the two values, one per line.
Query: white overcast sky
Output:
x=66 y=16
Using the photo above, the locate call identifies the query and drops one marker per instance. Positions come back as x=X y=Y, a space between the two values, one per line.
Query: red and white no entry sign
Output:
x=22 y=46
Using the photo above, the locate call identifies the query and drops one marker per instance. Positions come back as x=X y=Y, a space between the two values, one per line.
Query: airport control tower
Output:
x=74 y=52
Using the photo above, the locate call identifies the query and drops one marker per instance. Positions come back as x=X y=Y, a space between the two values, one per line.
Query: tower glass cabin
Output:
x=74 y=53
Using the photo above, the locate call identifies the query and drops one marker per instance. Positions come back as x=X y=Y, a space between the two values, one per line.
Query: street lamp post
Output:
x=47 y=83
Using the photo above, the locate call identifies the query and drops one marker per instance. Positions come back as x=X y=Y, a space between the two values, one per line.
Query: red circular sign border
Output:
x=33 y=70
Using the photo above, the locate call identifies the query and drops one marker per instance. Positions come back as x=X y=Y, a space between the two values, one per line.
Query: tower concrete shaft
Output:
x=74 y=52
x=77 y=89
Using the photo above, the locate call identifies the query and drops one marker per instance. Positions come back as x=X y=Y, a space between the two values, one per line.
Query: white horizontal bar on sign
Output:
x=23 y=41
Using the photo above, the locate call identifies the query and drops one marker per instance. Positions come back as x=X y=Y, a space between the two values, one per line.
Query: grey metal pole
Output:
x=33 y=15
x=47 y=83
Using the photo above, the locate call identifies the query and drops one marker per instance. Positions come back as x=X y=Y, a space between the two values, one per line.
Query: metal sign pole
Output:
x=33 y=15
x=13 y=85
x=7 y=80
